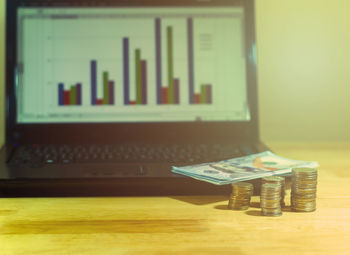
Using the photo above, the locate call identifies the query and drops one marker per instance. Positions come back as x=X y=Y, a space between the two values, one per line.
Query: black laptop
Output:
x=103 y=97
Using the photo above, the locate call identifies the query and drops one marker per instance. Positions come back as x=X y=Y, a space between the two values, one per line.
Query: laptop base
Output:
x=103 y=180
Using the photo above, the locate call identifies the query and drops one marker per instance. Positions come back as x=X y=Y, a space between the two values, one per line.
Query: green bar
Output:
x=105 y=88
x=73 y=95
x=203 y=94
x=138 y=75
x=170 y=65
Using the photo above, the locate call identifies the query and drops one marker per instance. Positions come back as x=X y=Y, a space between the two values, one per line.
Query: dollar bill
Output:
x=242 y=168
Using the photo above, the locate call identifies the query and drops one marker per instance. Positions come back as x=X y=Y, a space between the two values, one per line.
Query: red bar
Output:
x=132 y=102
x=100 y=101
x=165 y=95
x=66 y=97
x=197 y=98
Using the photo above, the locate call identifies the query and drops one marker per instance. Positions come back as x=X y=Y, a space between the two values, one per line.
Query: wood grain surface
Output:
x=186 y=224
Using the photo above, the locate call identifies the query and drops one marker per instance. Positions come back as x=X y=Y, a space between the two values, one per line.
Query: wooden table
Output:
x=185 y=225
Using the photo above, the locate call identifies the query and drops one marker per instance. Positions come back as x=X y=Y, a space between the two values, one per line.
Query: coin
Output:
x=240 y=196
x=304 y=189
x=270 y=199
x=277 y=180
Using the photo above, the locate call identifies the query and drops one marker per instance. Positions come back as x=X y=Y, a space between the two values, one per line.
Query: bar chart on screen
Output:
x=152 y=64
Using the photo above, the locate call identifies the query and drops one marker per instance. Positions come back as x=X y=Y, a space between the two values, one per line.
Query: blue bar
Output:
x=190 y=60
x=126 y=69
x=158 y=60
x=93 y=82
x=60 y=94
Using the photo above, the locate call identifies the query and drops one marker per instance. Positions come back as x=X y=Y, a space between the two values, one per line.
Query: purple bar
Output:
x=209 y=94
x=176 y=84
x=158 y=60
x=60 y=94
x=111 y=92
x=78 y=94
x=143 y=82
x=93 y=66
x=126 y=69
x=190 y=60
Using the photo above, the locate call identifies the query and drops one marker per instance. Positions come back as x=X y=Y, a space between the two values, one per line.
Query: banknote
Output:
x=242 y=168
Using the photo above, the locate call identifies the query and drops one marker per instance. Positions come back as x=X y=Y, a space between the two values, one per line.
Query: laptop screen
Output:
x=150 y=64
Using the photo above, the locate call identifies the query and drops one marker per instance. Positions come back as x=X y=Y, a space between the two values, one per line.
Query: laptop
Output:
x=103 y=97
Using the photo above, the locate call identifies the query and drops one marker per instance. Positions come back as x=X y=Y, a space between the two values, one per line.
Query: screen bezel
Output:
x=140 y=132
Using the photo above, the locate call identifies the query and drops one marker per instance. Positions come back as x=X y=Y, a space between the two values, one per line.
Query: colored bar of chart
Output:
x=209 y=94
x=93 y=74
x=138 y=75
x=105 y=88
x=126 y=69
x=143 y=82
x=170 y=65
x=111 y=92
x=60 y=94
x=164 y=95
x=158 y=51
x=176 y=83
x=197 y=98
x=190 y=60
x=78 y=91
x=203 y=94
x=66 y=97
x=73 y=96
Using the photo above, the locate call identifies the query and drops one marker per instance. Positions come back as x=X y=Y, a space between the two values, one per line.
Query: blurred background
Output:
x=303 y=70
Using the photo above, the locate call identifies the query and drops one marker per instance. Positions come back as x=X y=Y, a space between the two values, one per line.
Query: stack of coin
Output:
x=277 y=180
x=304 y=187
x=270 y=199
x=240 y=196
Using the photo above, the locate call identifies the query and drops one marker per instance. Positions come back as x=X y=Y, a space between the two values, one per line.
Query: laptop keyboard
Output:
x=37 y=155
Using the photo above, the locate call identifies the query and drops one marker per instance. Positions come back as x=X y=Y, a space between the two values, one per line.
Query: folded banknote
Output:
x=242 y=169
